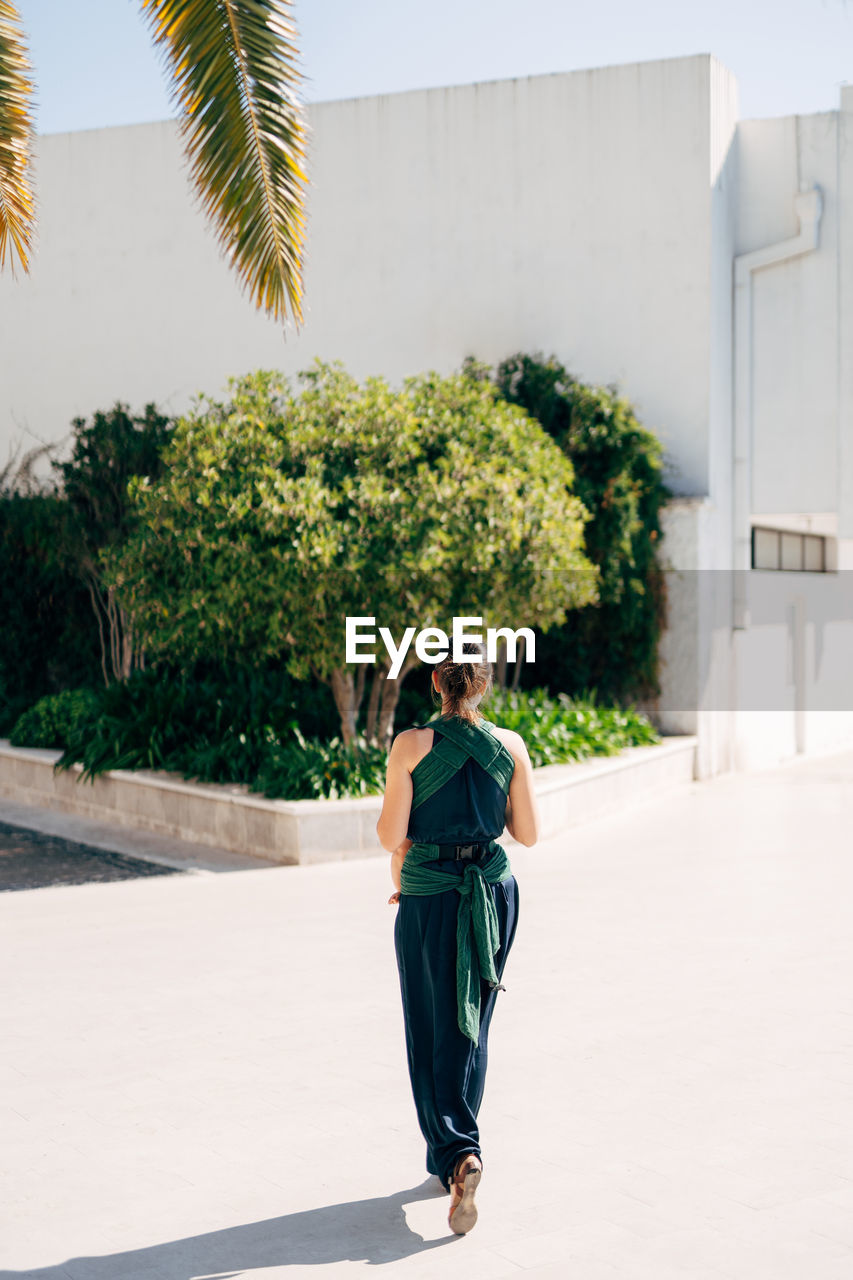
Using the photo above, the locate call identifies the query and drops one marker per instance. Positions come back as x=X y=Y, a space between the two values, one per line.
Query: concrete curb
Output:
x=229 y=817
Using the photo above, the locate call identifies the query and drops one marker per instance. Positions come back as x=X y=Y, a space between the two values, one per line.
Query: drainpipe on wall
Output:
x=808 y=206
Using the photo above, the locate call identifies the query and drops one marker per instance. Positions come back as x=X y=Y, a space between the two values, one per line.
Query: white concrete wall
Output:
x=795 y=313
x=724 y=178
x=845 y=330
x=697 y=672
x=791 y=664
x=755 y=696
x=794 y=691
x=714 y=724
x=567 y=212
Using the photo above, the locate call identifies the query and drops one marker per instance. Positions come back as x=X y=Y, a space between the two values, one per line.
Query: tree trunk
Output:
x=388 y=706
x=93 y=595
x=118 y=656
x=500 y=664
x=343 y=691
x=377 y=684
x=359 y=689
x=127 y=654
x=119 y=653
x=519 y=659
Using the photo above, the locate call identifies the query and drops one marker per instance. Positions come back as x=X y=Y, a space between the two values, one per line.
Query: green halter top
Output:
x=477 y=934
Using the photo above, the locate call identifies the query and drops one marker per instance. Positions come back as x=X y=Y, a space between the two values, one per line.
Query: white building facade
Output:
x=622 y=219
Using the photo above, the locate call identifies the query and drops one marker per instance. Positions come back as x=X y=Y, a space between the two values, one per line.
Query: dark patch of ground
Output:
x=33 y=860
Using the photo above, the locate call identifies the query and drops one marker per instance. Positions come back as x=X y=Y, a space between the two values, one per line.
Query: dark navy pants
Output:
x=447 y=1070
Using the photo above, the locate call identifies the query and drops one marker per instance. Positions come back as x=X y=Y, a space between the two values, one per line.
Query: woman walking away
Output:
x=452 y=787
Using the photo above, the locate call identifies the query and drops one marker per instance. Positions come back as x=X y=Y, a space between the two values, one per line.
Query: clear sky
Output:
x=96 y=65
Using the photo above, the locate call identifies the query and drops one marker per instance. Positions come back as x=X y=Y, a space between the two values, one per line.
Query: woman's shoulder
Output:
x=513 y=741
x=411 y=745
x=417 y=733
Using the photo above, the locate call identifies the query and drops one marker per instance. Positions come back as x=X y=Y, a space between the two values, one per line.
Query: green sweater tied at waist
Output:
x=477 y=931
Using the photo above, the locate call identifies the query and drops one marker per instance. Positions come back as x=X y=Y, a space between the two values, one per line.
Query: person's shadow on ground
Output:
x=373 y=1231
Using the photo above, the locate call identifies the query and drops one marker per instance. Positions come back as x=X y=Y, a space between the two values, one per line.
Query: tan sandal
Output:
x=466 y=1179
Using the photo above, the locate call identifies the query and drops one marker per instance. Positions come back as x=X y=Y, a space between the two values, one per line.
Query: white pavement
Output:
x=204 y=1075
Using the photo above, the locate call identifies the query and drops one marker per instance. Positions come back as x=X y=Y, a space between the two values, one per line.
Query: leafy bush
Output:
x=260 y=728
x=560 y=729
x=302 y=769
x=211 y=721
x=61 y=628
x=55 y=719
x=611 y=645
x=48 y=638
x=279 y=513
x=215 y=724
x=97 y=513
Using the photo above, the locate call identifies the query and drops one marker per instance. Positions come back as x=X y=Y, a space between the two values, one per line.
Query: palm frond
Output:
x=17 y=199
x=234 y=79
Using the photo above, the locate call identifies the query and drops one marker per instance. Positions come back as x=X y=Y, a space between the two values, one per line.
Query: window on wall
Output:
x=782 y=549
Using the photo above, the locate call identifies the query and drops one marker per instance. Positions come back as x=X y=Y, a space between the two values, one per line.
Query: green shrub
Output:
x=61 y=629
x=211 y=721
x=214 y=723
x=48 y=636
x=262 y=729
x=98 y=514
x=56 y=719
x=611 y=645
x=280 y=513
x=560 y=729
x=303 y=769
x=556 y=731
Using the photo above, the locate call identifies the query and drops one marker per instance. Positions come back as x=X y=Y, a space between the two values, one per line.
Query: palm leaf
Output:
x=234 y=80
x=17 y=201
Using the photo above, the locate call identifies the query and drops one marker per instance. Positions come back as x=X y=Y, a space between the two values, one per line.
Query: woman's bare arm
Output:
x=398 y=857
x=396 y=807
x=397 y=802
x=522 y=810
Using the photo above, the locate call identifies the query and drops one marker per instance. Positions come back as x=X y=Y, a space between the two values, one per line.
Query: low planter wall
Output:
x=305 y=831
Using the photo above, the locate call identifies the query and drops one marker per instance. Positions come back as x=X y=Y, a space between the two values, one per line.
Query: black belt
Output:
x=457 y=851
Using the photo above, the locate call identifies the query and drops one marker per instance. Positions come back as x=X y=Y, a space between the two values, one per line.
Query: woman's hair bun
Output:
x=465 y=684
